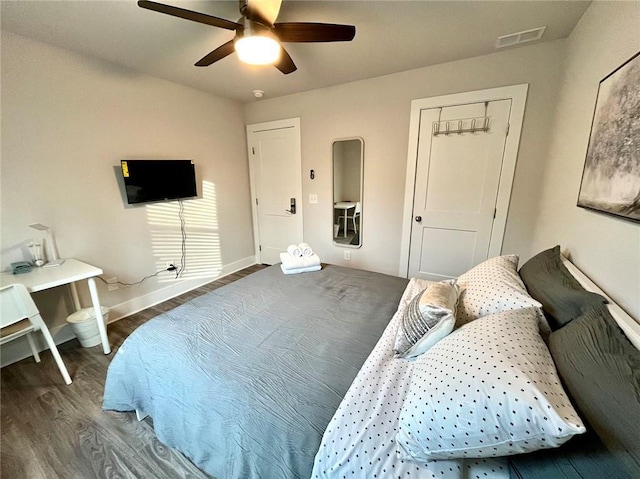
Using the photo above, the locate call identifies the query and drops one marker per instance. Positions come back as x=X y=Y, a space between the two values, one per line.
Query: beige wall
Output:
x=606 y=248
x=378 y=111
x=67 y=121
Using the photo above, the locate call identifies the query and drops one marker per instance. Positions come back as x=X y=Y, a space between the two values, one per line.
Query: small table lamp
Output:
x=53 y=250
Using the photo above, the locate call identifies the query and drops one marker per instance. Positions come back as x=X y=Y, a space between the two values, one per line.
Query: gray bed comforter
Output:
x=244 y=380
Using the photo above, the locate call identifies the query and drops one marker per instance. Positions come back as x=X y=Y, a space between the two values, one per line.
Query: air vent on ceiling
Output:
x=520 y=37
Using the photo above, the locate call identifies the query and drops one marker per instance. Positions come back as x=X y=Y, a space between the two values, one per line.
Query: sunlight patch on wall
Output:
x=202 y=255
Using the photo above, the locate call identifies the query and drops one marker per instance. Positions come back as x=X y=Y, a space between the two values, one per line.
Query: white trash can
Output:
x=84 y=325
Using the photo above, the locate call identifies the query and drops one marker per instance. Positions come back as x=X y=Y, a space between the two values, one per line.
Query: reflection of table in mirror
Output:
x=345 y=206
x=72 y=270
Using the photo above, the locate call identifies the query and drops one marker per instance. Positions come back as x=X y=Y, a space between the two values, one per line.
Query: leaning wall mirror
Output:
x=348 y=162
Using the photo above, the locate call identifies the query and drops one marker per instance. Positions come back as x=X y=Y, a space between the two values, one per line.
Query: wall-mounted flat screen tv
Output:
x=158 y=180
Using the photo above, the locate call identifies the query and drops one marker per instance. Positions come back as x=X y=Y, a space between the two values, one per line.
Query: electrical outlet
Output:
x=347 y=255
x=112 y=283
x=313 y=199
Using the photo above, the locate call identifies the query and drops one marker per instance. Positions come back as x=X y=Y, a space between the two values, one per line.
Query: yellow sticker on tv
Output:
x=125 y=169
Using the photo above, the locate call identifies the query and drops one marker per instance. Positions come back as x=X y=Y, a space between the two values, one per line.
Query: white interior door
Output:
x=456 y=187
x=276 y=185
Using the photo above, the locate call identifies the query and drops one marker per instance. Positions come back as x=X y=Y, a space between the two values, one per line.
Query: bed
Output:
x=280 y=376
x=244 y=380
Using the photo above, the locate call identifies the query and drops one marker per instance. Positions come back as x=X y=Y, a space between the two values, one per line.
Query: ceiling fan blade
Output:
x=314 y=32
x=285 y=63
x=218 y=54
x=189 y=15
x=261 y=11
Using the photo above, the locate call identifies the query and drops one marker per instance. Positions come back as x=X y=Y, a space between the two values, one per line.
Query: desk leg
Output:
x=74 y=295
x=95 y=300
x=345 y=222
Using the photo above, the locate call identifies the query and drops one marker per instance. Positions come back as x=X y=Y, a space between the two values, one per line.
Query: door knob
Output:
x=418 y=219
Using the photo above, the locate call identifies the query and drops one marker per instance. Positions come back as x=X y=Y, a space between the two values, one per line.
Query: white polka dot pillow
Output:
x=490 y=287
x=488 y=389
x=428 y=318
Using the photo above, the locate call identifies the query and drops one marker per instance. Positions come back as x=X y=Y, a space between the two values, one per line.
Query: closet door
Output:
x=456 y=187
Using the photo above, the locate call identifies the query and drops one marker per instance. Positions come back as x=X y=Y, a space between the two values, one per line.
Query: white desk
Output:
x=346 y=206
x=72 y=270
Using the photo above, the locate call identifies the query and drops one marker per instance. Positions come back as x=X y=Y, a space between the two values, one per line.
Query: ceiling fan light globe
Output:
x=258 y=50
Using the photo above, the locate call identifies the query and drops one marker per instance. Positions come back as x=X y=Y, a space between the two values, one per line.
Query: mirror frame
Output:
x=333 y=172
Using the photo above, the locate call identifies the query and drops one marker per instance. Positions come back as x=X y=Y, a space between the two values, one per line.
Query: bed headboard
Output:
x=630 y=327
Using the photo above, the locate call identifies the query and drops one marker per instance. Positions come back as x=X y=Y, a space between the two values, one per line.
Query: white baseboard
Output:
x=19 y=349
x=135 y=305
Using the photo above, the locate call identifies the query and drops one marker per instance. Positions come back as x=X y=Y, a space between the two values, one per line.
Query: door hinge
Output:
x=508 y=126
x=253 y=150
x=256 y=201
x=259 y=247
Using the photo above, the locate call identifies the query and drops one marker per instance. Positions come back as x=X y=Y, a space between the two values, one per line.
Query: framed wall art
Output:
x=611 y=175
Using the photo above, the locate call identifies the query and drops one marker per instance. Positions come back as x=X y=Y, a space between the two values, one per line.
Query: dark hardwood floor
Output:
x=52 y=430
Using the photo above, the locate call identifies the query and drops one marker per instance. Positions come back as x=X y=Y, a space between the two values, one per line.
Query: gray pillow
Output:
x=550 y=282
x=583 y=457
x=601 y=369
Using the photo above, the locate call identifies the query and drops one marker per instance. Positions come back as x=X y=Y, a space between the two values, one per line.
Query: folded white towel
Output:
x=300 y=270
x=306 y=249
x=294 y=250
x=290 y=262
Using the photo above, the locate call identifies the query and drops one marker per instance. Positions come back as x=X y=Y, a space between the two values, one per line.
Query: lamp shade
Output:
x=53 y=249
x=258 y=49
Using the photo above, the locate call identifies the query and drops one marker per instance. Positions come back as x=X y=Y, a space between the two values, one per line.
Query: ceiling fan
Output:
x=258 y=37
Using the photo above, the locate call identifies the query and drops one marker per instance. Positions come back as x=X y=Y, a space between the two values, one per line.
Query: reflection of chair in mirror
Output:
x=356 y=214
x=21 y=317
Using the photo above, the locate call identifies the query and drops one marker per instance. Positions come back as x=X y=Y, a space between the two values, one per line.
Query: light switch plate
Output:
x=313 y=199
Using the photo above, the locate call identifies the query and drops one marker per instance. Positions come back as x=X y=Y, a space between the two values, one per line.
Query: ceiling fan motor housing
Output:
x=251 y=28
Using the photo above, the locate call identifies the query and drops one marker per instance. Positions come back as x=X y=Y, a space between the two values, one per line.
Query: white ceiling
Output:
x=391 y=36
